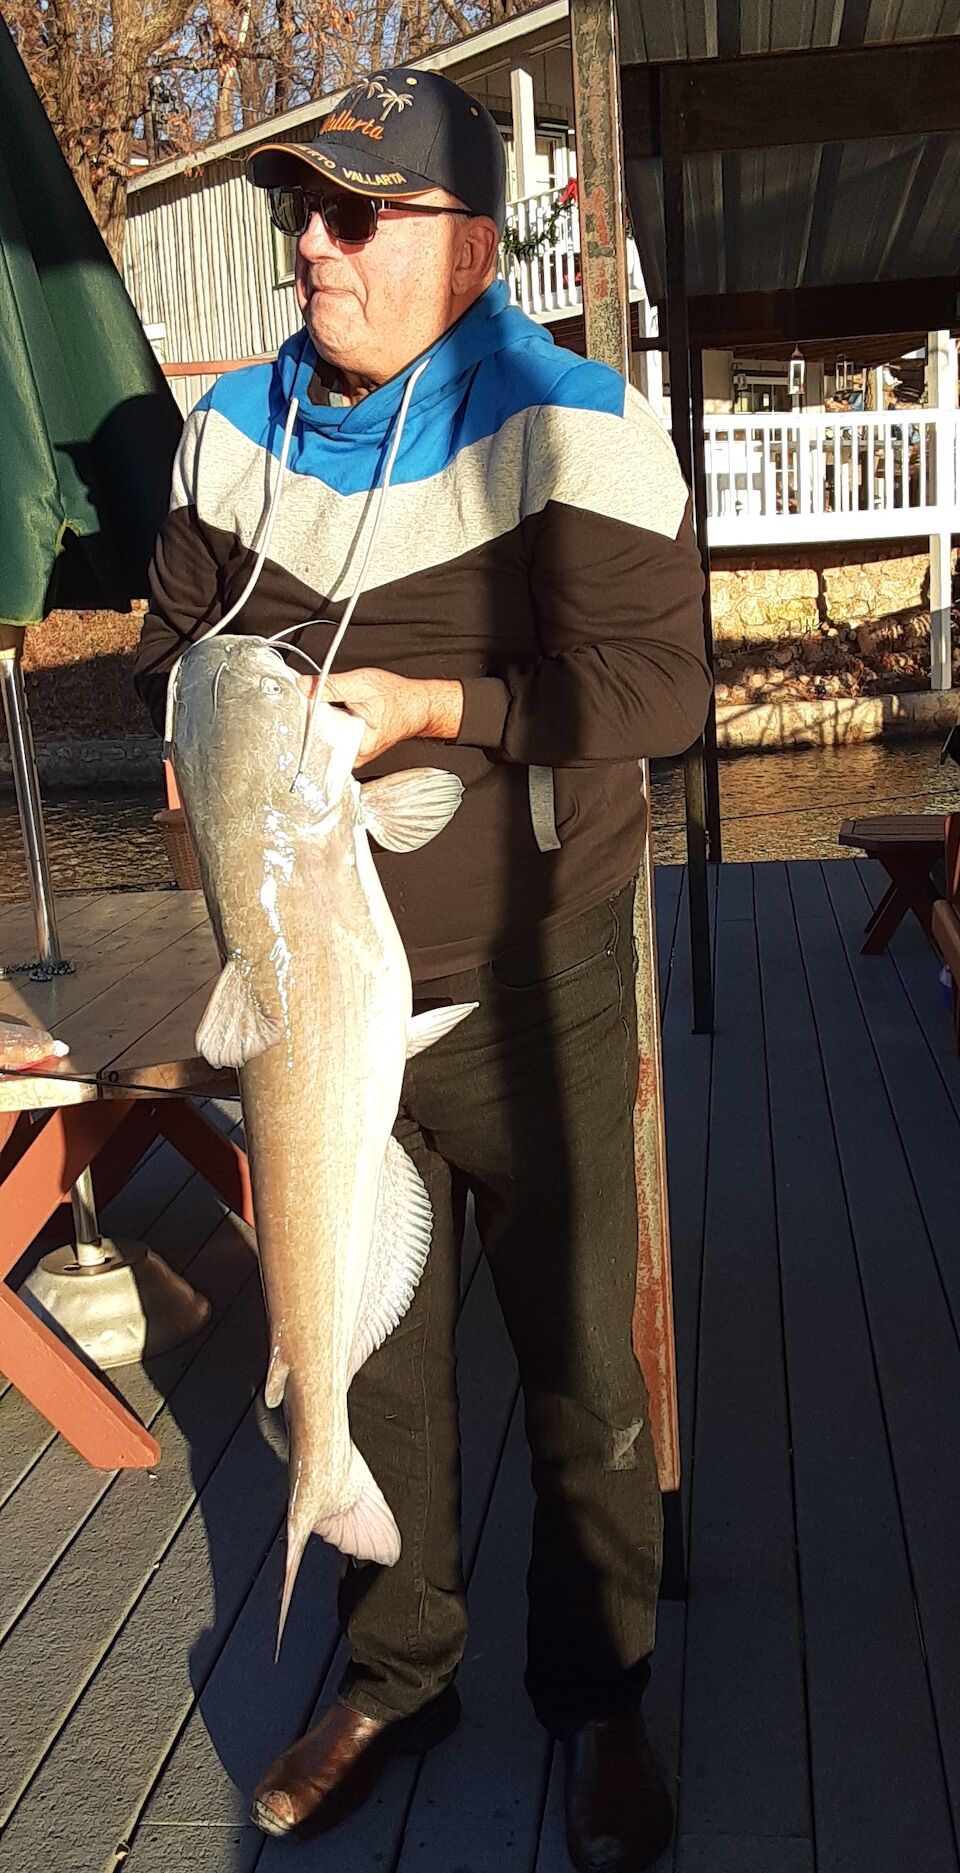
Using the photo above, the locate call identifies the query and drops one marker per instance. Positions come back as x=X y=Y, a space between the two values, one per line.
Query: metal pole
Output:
x=606 y=309
x=711 y=765
x=671 y=146
x=24 y=765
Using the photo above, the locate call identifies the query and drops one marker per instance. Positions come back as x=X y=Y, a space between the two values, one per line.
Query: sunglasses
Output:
x=351 y=219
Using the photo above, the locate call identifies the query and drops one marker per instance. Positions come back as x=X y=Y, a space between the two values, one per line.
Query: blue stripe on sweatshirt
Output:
x=513 y=367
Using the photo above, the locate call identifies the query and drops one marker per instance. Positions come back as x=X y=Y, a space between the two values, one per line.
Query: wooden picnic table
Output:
x=908 y=846
x=145 y=962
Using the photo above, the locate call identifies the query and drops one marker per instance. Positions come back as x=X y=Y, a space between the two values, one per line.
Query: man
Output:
x=532 y=601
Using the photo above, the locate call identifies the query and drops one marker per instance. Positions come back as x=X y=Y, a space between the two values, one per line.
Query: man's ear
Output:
x=477 y=259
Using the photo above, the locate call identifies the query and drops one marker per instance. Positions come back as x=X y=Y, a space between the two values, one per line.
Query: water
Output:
x=775 y=805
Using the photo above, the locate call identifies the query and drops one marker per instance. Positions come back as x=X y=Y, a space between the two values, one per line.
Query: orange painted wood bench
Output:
x=142 y=963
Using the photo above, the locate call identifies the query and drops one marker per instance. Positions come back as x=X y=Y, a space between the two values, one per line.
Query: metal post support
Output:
x=23 y=763
x=671 y=145
x=606 y=306
x=941 y=379
x=711 y=762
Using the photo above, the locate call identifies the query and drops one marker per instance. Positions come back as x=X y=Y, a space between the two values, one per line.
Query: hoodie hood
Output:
x=492 y=325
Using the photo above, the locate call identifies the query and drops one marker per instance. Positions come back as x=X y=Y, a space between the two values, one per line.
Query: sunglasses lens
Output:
x=288 y=210
x=350 y=218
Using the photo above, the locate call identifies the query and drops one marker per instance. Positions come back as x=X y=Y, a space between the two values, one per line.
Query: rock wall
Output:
x=765 y=597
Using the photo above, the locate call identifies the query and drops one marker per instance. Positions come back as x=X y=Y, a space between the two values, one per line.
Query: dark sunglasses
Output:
x=348 y=218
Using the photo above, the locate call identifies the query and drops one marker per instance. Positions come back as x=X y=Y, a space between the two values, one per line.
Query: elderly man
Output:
x=532 y=601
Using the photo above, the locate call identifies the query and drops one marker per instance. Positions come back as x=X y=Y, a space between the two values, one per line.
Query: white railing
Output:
x=546 y=283
x=820 y=476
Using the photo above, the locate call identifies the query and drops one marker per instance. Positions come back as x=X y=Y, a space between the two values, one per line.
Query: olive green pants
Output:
x=528 y=1104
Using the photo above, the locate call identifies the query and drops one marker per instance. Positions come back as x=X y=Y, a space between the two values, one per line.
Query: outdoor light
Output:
x=797 y=374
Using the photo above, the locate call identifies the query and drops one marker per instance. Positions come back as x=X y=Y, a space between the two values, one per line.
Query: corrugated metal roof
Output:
x=817 y=215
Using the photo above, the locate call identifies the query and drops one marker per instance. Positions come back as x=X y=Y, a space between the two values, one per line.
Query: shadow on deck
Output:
x=807 y=1697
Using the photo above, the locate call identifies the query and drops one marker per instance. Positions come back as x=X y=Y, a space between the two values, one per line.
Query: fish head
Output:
x=239 y=721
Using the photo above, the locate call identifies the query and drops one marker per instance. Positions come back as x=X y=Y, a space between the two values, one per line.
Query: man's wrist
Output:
x=443 y=710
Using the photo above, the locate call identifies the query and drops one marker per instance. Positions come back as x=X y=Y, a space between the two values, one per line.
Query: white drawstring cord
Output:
x=229 y=616
x=351 y=606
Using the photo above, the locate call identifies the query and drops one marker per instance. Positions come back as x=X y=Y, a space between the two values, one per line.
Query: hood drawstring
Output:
x=235 y=609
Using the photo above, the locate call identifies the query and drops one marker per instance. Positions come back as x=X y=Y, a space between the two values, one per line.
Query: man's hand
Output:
x=394 y=708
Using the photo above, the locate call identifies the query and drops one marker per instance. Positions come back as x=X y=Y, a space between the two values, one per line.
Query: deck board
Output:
x=806 y=1700
x=744 y=1752
x=874 y=1800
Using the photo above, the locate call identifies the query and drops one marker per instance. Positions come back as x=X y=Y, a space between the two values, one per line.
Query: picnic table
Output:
x=144 y=966
x=908 y=846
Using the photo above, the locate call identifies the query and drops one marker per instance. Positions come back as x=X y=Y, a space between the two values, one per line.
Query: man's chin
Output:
x=328 y=319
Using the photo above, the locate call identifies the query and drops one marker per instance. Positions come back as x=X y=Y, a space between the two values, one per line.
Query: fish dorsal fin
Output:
x=433 y=1024
x=235 y=1026
x=402 y=1229
x=404 y=811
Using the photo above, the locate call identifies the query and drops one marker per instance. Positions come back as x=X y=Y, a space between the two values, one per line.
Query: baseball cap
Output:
x=394 y=135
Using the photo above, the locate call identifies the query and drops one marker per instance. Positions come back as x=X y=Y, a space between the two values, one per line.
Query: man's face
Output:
x=371 y=309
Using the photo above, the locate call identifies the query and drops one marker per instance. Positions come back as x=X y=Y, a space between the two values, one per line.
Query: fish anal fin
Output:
x=434 y=1023
x=367 y=1529
x=275 y=1383
x=404 y=811
x=235 y=1025
x=403 y=1226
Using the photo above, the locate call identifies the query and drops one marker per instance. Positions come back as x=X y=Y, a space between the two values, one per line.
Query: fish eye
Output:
x=269 y=686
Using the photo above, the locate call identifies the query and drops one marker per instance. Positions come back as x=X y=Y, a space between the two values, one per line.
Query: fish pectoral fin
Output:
x=403 y=1226
x=235 y=1025
x=404 y=811
x=434 y=1024
x=366 y=1530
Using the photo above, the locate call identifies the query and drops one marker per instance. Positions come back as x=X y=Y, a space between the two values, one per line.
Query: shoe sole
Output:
x=421 y=1732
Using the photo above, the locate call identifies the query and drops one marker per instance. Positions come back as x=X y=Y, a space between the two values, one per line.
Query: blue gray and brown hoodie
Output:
x=535 y=543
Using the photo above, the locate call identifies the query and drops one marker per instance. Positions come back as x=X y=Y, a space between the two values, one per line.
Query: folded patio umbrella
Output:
x=89 y=426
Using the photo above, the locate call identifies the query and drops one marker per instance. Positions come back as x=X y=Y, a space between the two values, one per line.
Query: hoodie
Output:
x=535 y=544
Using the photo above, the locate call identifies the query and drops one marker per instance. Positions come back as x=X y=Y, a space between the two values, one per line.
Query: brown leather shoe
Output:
x=331 y=1770
x=618 y=1808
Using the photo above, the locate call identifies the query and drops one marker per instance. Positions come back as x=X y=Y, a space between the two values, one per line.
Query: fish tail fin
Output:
x=366 y=1530
x=296 y=1542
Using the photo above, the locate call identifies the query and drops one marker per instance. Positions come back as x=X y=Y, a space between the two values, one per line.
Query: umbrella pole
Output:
x=23 y=762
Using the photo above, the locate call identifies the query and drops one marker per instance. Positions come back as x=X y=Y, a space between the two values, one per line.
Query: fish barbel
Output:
x=314 y=1006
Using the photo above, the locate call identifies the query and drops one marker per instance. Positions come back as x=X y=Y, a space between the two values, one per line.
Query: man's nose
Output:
x=315 y=242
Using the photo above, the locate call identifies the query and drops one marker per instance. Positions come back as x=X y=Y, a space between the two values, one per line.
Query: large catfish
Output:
x=314 y=1006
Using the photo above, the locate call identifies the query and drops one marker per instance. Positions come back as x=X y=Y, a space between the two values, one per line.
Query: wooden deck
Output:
x=807 y=1696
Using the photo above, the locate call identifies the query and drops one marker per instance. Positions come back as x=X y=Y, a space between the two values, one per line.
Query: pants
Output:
x=529 y=1105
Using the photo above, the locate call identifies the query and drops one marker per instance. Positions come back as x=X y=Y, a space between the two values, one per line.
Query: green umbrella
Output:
x=89 y=424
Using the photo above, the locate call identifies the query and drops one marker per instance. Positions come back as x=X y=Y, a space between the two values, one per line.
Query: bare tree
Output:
x=89 y=60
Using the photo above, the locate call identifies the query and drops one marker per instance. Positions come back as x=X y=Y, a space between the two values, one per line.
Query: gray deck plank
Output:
x=87 y=1600
x=59 y=1492
x=86 y=1794
x=744 y=1754
x=914 y=1337
x=750 y=1853
x=222 y=1753
x=879 y=1798
x=919 y=971
x=478 y=1801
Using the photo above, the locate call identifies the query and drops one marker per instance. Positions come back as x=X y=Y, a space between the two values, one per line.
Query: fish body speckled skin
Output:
x=314 y=1006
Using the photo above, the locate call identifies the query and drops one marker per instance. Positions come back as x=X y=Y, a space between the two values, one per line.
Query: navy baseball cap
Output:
x=394 y=135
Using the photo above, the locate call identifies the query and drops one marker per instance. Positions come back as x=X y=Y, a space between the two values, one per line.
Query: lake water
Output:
x=775 y=805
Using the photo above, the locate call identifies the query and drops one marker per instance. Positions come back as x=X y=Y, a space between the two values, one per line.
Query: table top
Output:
x=145 y=963
x=885 y=832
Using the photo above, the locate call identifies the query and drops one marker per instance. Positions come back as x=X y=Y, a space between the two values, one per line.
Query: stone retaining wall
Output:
x=765 y=597
x=833 y=722
x=111 y=761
